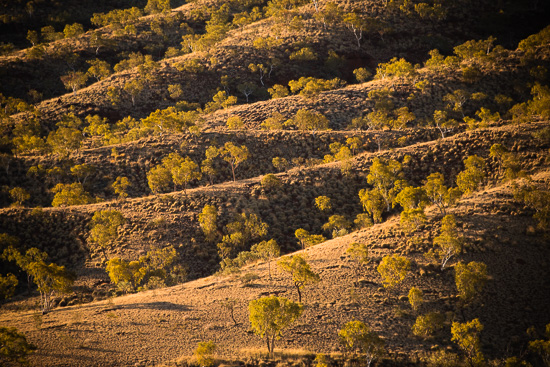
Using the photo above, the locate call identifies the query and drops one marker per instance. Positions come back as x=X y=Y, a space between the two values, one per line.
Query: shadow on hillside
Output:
x=156 y=306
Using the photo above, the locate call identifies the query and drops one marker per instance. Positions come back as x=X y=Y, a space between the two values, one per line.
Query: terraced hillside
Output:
x=257 y=111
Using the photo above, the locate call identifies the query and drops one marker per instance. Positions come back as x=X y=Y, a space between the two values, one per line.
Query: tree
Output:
x=157 y=6
x=126 y=275
x=509 y=162
x=362 y=74
x=466 y=336
x=359 y=252
x=308 y=120
x=240 y=232
x=33 y=37
x=300 y=271
x=68 y=136
x=439 y=194
x=220 y=100
x=357 y=24
x=269 y=316
x=449 y=242
x=105 y=225
x=278 y=91
x=185 y=172
x=229 y=304
x=73 y=30
x=384 y=176
x=329 y=15
x=120 y=185
x=280 y=163
x=19 y=195
x=134 y=88
x=208 y=222
x=416 y=298
x=394 y=68
x=31 y=256
x=443 y=124
x=267 y=250
x=204 y=351
x=7 y=285
x=270 y=182
x=82 y=172
x=159 y=178
x=247 y=89
x=70 y=194
x=234 y=123
x=234 y=155
x=473 y=175
x=356 y=335
x=275 y=122
x=393 y=269
x=323 y=203
x=50 y=279
x=338 y=225
x=413 y=200
x=427 y=325
x=74 y=80
x=542 y=347
x=14 y=346
x=99 y=69
x=470 y=279
x=306 y=239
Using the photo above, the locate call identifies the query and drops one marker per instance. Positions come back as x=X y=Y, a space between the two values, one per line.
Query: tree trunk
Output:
x=297 y=284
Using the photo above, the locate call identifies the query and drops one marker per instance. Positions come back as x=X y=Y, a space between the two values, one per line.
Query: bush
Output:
x=204 y=353
x=427 y=325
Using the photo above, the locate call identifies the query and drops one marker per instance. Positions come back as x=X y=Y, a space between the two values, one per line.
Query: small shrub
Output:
x=204 y=353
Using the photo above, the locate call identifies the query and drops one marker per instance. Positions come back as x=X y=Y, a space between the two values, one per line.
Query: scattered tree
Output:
x=208 y=222
x=323 y=203
x=270 y=182
x=105 y=225
x=469 y=180
x=234 y=123
x=427 y=325
x=74 y=80
x=19 y=195
x=466 y=336
x=229 y=304
x=234 y=155
x=70 y=194
x=159 y=179
x=416 y=298
x=470 y=279
x=439 y=194
x=120 y=185
x=14 y=346
x=355 y=335
x=300 y=271
x=449 y=242
x=393 y=269
x=308 y=120
x=338 y=225
x=269 y=316
x=542 y=347
x=7 y=285
x=267 y=250
x=362 y=74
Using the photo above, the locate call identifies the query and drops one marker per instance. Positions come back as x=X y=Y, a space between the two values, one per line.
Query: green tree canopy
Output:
x=393 y=269
x=269 y=316
x=356 y=335
x=300 y=271
x=14 y=346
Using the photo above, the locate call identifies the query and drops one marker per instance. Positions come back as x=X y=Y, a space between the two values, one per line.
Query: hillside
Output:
x=163 y=325
x=152 y=147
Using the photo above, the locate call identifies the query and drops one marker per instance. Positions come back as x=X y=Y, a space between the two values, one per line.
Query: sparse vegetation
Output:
x=229 y=133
